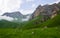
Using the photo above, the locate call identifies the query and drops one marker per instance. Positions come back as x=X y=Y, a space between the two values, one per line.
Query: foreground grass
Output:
x=31 y=33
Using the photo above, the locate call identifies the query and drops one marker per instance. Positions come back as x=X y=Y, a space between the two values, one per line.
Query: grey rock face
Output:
x=46 y=11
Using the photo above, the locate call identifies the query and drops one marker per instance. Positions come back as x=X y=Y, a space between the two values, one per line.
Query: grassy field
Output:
x=31 y=33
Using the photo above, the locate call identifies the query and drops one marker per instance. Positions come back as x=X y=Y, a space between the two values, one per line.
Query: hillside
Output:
x=8 y=24
x=35 y=23
x=39 y=31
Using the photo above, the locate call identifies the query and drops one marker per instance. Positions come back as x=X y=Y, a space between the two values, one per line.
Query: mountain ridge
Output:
x=16 y=14
x=46 y=11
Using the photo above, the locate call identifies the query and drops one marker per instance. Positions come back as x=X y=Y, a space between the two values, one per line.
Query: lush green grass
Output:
x=55 y=22
x=7 y=24
x=32 y=33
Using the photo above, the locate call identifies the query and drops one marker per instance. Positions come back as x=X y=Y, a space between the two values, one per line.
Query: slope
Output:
x=38 y=31
x=8 y=24
x=49 y=23
x=52 y=30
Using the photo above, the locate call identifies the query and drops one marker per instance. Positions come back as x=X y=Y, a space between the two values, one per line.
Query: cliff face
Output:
x=46 y=11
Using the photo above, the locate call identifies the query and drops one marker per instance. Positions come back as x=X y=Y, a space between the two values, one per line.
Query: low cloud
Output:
x=26 y=19
x=57 y=1
x=6 y=18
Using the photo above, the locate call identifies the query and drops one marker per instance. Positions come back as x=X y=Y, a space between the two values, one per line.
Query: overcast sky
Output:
x=24 y=6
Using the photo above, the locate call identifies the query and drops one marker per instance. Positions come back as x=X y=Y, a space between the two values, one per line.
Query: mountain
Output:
x=36 y=22
x=43 y=14
x=16 y=15
x=46 y=12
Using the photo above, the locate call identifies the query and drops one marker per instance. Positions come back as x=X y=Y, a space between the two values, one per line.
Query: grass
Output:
x=31 y=33
x=8 y=24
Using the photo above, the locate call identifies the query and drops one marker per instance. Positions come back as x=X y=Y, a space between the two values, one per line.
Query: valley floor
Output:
x=53 y=32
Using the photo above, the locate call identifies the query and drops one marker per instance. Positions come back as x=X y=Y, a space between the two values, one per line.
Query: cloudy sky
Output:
x=24 y=6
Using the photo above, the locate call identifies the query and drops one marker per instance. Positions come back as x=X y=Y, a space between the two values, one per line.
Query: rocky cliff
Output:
x=46 y=12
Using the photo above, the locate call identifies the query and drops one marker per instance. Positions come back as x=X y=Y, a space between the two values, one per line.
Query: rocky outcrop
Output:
x=46 y=12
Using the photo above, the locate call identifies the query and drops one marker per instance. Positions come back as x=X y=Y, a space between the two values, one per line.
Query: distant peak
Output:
x=16 y=14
